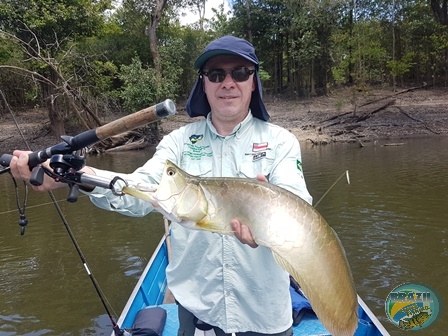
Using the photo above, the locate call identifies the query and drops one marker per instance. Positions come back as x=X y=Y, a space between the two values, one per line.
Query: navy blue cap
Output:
x=197 y=104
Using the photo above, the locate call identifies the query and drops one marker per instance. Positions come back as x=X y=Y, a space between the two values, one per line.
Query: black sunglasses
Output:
x=239 y=74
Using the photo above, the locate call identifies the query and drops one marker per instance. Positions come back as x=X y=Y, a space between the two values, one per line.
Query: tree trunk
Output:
x=153 y=45
x=440 y=10
x=50 y=95
x=249 y=22
x=56 y=119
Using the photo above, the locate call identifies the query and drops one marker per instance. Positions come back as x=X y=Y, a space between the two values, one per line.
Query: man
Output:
x=226 y=281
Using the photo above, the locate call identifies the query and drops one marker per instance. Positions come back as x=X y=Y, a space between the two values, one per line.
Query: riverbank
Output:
x=381 y=115
x=341 y=116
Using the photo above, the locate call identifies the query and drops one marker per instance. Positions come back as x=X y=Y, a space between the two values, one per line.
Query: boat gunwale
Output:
x=373 y=319
x=139 y=283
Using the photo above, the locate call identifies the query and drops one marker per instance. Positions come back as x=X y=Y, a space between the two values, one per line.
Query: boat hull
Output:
x=150 y=291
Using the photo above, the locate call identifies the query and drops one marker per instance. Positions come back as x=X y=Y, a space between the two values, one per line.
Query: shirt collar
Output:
x=238 y=130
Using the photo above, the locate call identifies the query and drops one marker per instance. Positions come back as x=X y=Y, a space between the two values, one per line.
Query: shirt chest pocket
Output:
x=257 y=163
x=201 y=168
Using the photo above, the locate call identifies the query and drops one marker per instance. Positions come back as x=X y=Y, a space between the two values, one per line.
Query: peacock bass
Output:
x=299 y=237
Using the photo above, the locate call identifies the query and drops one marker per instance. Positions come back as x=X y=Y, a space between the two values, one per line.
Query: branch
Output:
x=424 y=86
x=33 y=74
x=418 y=120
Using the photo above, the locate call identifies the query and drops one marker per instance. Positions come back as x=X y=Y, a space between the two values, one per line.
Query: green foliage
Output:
x=19 y=89
x=219 y=24
x=10 y=52
x=304 y=46
x=264 y=75
x=141 y=87
x=402 y=66
x=52 y=19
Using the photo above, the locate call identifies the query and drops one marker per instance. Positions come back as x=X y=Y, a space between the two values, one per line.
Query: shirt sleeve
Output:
x=288 y=172
x=150 y=172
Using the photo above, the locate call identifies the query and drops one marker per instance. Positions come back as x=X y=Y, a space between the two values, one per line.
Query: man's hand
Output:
x=241 y=230
x=21 y=171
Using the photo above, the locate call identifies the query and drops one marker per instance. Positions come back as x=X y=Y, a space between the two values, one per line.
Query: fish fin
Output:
x=209 y=226
x=283 y=263
x=337 y=327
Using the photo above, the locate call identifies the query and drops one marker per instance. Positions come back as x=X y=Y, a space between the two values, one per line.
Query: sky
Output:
x=191 y=17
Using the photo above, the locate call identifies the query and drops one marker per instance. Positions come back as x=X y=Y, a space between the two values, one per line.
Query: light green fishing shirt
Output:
x=220 y=280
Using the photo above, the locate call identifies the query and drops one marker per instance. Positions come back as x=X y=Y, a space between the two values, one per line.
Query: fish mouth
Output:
x=146 y=187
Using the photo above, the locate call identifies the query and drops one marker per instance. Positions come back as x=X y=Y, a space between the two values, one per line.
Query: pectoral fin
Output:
x=204 y=224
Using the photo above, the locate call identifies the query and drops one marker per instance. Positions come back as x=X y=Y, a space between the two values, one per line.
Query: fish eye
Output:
x=170 y=172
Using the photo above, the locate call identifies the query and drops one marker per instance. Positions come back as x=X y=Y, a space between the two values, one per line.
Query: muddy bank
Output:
x=341 y=116
x=333 y=118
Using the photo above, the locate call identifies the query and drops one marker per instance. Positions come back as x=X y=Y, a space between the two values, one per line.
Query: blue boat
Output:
x=150 y=292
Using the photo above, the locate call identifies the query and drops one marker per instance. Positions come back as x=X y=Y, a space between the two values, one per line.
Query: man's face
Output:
x=230 y=99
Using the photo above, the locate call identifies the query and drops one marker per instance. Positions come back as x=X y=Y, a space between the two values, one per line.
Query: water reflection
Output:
x=391 y=219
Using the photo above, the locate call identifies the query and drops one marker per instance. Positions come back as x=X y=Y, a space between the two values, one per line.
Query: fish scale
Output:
x=299 y=237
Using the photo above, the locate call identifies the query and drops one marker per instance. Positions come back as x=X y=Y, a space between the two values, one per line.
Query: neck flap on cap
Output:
x=197 y=103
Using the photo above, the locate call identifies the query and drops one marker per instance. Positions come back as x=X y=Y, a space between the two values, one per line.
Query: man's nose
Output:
x=228 y=80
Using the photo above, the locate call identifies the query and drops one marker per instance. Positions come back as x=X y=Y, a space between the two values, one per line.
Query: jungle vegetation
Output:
x=83 y=59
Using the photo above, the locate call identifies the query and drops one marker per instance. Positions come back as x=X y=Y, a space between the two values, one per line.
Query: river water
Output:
x=392 y=220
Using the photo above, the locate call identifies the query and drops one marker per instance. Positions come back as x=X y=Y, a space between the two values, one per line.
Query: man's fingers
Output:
x=243 y=233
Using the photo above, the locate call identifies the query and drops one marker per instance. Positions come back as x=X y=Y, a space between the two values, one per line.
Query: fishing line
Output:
x=23 y=222
x=39 y=205
x=331 y=187
x=101 y=295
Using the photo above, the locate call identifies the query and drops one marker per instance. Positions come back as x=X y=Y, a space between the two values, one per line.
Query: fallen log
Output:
x=134 y=145
x=393 y=144
x=360 y=118
x=375 y=110
x=424 y=86
x=418 y=120
x=115 y=142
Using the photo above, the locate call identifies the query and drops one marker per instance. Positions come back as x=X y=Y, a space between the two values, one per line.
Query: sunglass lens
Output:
x=240 y=74
x=216 y=75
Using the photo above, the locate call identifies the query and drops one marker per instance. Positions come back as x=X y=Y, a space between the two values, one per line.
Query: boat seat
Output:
x=308 y=326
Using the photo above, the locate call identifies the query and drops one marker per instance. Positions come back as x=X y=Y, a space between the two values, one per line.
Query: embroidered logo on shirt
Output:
x=196 y=138
x=259 y=150
x=260 y=146
x=299 y=165
x=258 y=156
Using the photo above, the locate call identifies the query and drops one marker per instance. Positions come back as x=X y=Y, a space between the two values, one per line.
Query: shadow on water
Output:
x=391 y=219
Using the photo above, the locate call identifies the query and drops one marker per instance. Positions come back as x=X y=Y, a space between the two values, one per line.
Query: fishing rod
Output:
x=66 y=163
x=63 y=158
x=72 y=144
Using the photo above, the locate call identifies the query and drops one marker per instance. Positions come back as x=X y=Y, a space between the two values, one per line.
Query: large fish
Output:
x=299 y=237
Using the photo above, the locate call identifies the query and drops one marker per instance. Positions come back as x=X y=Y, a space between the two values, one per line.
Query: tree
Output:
x=199 y=7
x=440 y=10
x=47 y=29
